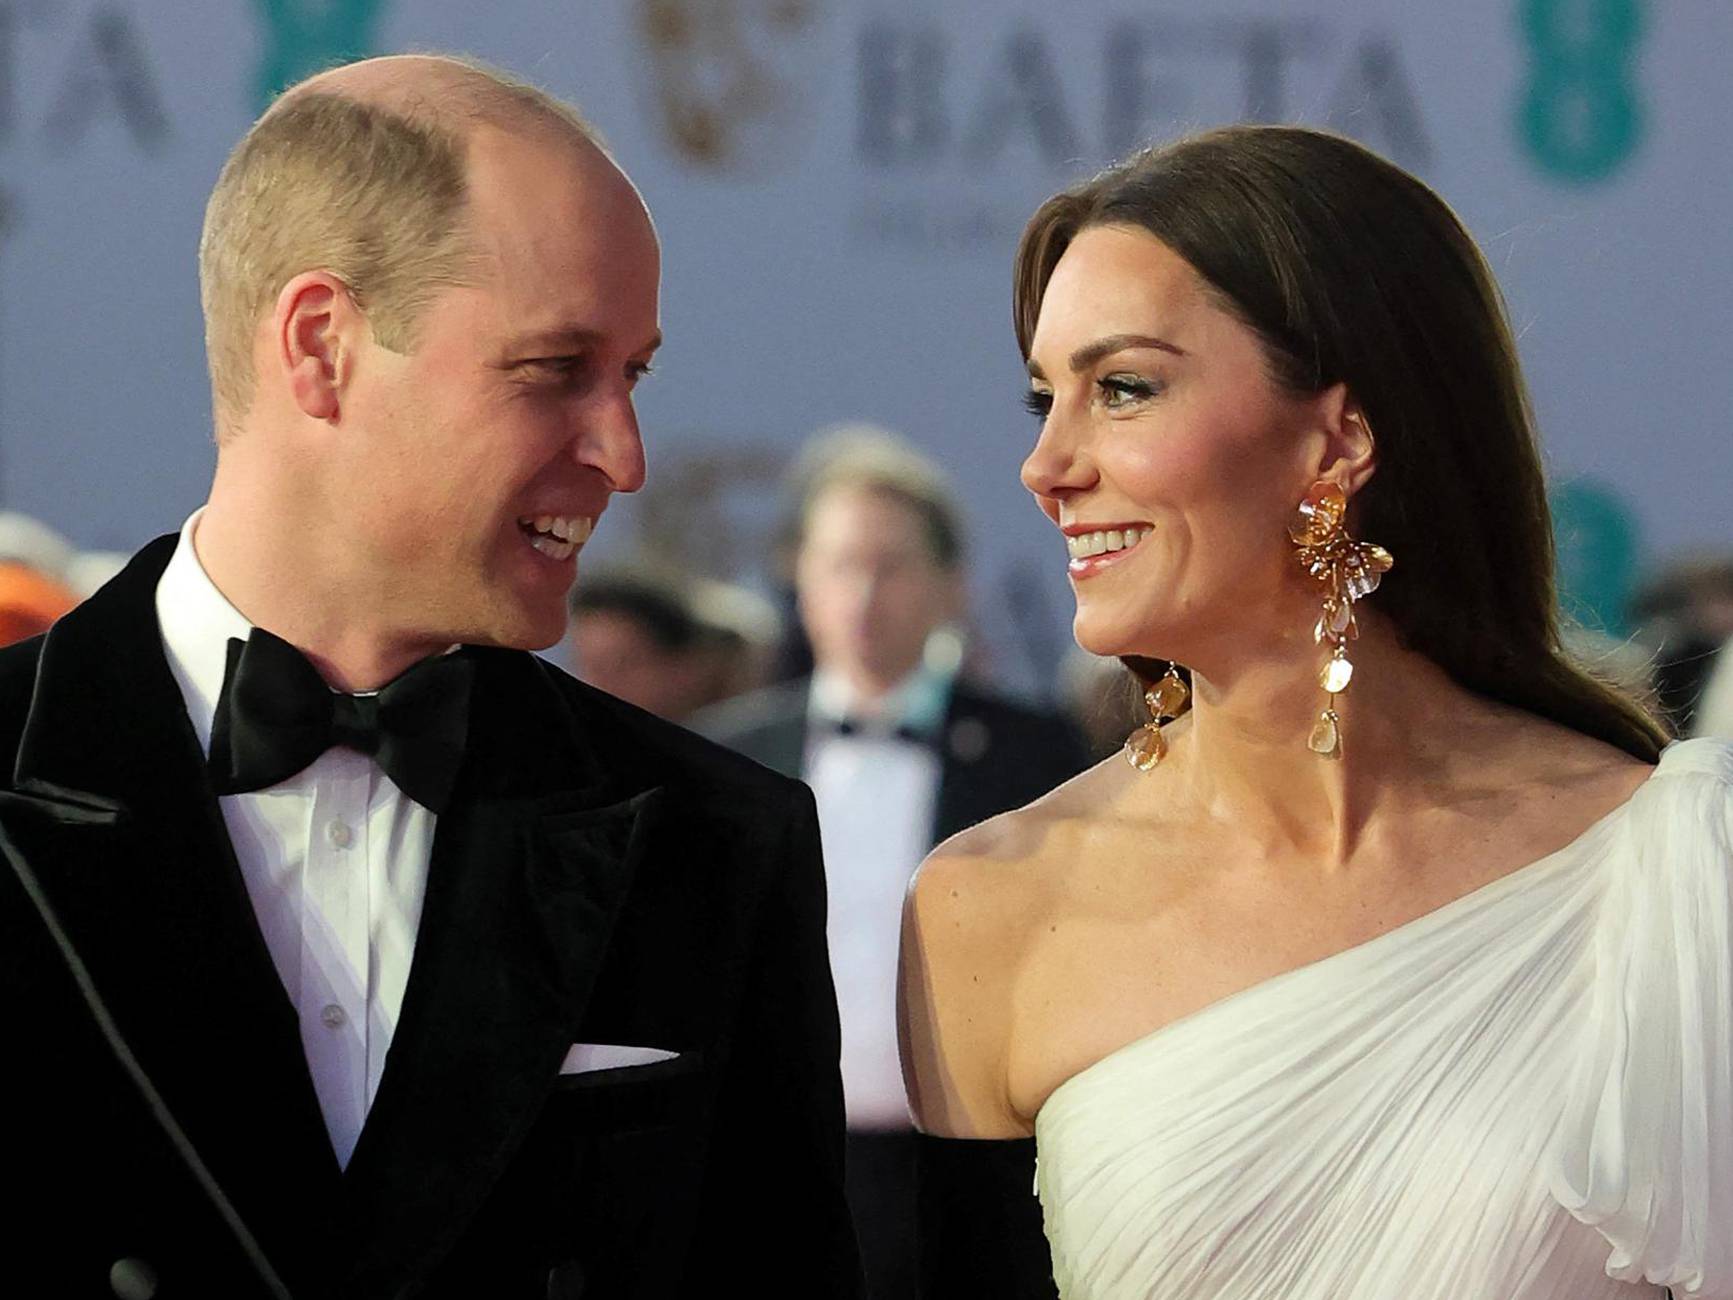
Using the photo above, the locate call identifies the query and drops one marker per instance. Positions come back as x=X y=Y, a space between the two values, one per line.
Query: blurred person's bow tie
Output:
x=866 y=727
x=276 y=715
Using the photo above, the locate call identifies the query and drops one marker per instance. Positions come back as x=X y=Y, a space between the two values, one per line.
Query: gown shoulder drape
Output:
x=1526 y=1094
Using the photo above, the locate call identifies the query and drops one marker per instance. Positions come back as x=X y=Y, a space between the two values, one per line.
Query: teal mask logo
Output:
x=1580 y=115
x=307 y=36
x=1595 y=540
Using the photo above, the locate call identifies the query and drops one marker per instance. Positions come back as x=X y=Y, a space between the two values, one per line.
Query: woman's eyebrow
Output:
x=1087 y=355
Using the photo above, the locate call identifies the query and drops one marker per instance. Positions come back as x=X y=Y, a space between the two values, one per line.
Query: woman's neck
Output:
x=1243 y=755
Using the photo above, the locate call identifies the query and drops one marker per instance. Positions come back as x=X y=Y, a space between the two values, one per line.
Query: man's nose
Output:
x=610 y=443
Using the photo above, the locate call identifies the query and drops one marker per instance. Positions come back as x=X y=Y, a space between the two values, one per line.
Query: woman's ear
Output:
x=1350 y=451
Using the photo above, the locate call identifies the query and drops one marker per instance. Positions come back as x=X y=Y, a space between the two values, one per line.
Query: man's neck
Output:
x=299 y=597
x=859 y=693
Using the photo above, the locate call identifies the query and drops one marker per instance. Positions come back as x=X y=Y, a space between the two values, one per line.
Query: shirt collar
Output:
x=917 y=703
x=197 y=623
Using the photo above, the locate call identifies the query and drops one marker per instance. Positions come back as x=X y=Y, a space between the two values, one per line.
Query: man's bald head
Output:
x=362 y=171
x=459 y=94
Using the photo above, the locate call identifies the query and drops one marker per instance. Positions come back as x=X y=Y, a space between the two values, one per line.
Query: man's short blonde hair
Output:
x=374 y=193
x=866 y=458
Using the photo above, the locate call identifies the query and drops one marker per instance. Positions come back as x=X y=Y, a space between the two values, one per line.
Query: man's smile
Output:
x=557 y=536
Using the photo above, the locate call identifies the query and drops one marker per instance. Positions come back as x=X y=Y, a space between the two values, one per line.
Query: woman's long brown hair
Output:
x=1352 y=271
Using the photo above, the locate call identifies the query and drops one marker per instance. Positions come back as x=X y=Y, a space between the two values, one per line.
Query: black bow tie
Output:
x=275 y=716
x=855 y=727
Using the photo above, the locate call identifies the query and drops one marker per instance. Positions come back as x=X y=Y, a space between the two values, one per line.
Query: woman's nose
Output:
x=1056 y=466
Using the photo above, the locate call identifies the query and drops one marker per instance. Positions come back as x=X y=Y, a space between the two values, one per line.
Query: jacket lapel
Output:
x=784 y=741
x=769 y=726
x=531 y=863
x=971 y=787
x=114 y=816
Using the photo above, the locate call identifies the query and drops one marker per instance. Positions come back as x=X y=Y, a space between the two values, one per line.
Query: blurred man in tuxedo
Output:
x=352 y=950
x=901 y=752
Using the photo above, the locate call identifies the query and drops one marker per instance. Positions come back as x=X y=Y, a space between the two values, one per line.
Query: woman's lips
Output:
x=1094 y=549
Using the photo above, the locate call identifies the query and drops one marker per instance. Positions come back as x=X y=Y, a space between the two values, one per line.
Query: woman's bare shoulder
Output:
x=971 y=909
x=1006 y=861
x=977 y=893
x=1545 y=762
x=1523 y=786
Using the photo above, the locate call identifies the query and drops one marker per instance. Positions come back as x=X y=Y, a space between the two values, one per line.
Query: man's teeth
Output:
x=568 y=528
x=557 y=536
x=553 y=548
x=1085 y=545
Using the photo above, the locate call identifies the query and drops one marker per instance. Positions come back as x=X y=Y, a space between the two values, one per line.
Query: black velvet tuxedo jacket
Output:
x=994 y=755
x=598 y=877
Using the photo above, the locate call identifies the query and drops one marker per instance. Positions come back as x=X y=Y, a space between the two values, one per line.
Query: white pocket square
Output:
x=581 y=1058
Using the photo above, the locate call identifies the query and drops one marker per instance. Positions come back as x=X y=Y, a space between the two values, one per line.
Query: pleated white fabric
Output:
x=1524 y=1095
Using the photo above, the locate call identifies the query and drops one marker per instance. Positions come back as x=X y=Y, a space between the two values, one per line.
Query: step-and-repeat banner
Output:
x=839 y=185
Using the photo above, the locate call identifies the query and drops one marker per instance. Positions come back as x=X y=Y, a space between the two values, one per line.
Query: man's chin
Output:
x=890 y=669
x=534 y=641
x=525 y=631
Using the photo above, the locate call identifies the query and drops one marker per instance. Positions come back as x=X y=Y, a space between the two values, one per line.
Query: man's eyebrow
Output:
x=571 y=337
x=557 y=336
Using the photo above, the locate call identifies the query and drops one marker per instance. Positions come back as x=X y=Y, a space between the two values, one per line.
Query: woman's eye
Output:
x=1037 y=403
x=1125 y=390
x=636 y=372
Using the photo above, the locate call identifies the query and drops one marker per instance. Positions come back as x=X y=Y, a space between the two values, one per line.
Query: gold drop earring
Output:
x=1146 y=746
x=1348 y=571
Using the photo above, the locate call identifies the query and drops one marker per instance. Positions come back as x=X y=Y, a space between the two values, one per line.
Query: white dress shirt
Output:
x=335 y=862
x=876 y=795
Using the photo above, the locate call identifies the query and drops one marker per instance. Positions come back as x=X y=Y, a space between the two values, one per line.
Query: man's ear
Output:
x=1350 y=452
x=315 y=330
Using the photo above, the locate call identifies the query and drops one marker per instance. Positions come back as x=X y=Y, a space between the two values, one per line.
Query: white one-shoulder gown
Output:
x=1524 y=1095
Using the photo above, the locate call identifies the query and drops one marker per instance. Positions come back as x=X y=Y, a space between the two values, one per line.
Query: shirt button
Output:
x=331 y=1016
x=132 y=1279
x=340 y=834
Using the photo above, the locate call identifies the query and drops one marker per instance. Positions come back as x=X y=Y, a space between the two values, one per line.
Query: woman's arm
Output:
x=978 y=1222
x=953 y=996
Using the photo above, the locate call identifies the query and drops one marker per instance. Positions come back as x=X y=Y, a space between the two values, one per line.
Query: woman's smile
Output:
x=1095 y=547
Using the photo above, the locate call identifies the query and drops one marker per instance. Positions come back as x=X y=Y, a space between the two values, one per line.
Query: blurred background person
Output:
x=30 y=602
x=667 y=643
x=42 y=576
x=1683 y=614
x=901 y=751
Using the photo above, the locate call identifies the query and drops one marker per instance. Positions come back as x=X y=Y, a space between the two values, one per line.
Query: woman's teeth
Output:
x=1085 y=545
x=557 y=536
